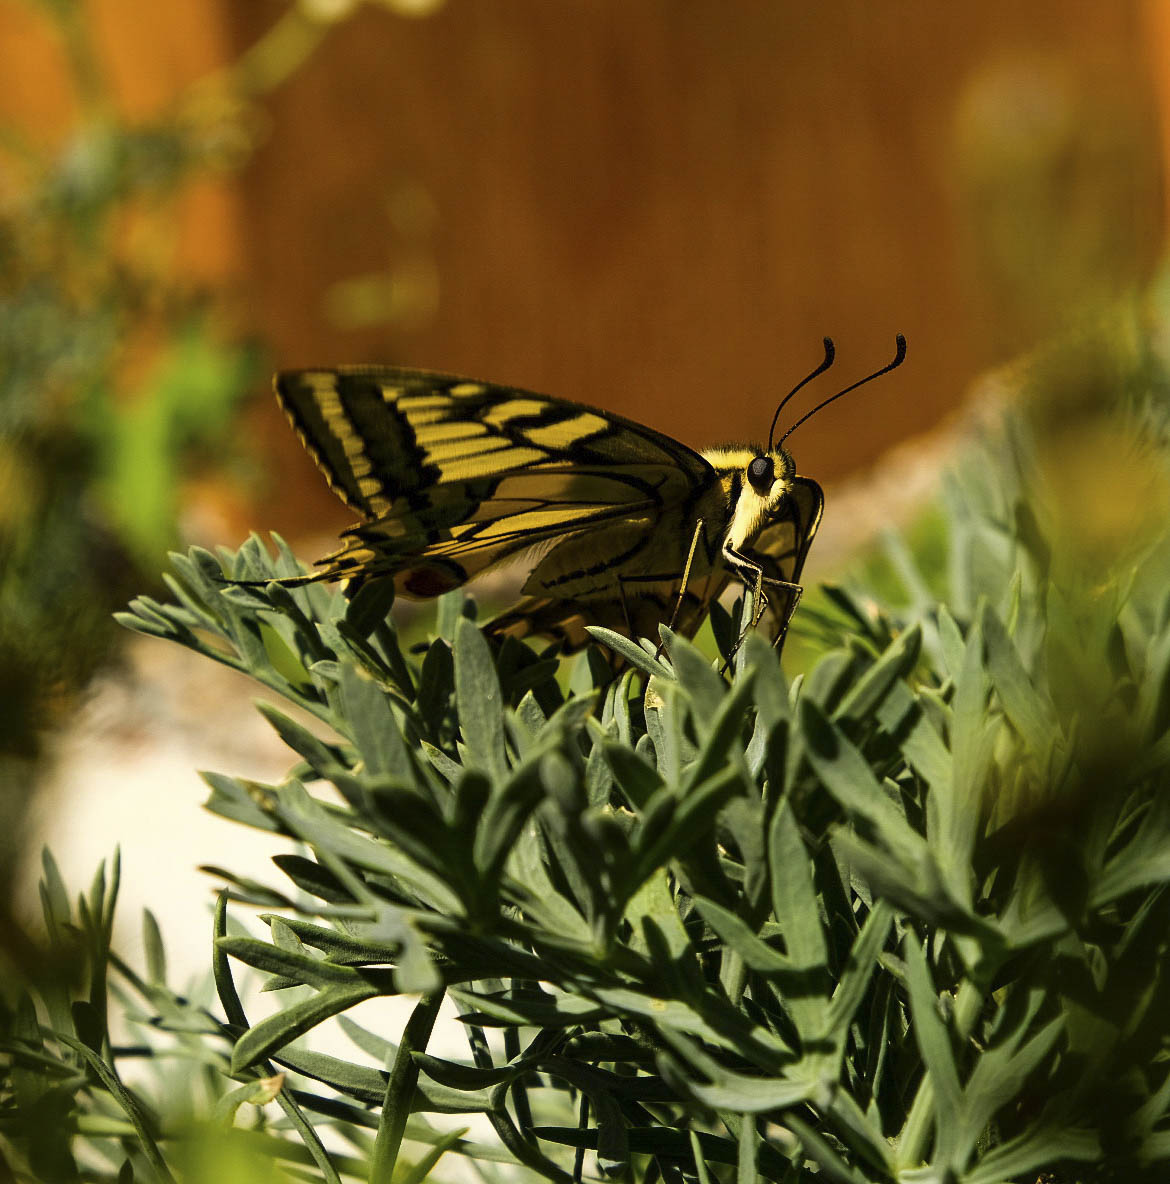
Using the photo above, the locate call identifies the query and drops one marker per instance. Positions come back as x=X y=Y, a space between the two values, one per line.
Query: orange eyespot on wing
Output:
x=422 y=583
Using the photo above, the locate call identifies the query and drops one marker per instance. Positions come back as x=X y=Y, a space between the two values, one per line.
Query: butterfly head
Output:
x=756 y=484
x=769 y=476
x=761 y=480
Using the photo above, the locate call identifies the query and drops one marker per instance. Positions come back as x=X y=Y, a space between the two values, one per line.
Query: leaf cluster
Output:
x=901 y=919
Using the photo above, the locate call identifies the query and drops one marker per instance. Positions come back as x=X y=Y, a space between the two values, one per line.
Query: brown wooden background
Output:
x=659 y=207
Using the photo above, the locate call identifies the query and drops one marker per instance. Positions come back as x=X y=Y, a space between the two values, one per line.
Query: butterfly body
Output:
x=622 y=526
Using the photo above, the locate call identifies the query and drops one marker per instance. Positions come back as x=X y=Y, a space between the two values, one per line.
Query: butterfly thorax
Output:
x=755 y=484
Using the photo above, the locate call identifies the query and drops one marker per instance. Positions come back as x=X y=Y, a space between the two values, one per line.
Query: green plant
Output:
x=902 y=918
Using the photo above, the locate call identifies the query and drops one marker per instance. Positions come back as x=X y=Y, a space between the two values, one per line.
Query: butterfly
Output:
x=621 y=526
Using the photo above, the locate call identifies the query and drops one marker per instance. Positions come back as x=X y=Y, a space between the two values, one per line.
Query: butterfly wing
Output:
x=451 y=477
x=782 y=546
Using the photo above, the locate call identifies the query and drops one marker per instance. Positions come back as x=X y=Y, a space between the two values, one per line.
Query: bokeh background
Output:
x=657 y=208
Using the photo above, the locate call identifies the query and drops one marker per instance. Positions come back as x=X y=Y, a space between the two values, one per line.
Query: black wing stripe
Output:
x=300 y=400
x=388 y=444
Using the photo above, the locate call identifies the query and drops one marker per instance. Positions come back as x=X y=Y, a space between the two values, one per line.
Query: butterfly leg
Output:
x=752 y=575
x=796 y=590
x=686 y=578
x=621 y=587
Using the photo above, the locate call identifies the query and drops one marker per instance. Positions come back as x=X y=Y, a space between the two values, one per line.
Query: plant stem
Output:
x=400 y=1087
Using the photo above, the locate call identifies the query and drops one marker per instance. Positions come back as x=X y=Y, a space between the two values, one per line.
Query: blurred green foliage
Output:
x=118 y=374
x=112 y=370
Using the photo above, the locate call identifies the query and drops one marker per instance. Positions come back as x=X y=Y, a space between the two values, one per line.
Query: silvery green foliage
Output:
x=902 y=919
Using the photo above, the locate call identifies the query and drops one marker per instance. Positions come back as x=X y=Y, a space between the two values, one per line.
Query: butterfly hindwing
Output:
x=782 y=546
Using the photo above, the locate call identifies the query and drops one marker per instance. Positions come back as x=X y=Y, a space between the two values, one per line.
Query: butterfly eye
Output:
x=761 y=473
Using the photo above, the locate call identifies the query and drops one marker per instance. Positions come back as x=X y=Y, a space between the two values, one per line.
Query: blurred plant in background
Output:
x=120 y=376
x=113 y=372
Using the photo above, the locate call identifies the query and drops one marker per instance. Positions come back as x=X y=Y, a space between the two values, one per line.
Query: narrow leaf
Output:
x=477 y=693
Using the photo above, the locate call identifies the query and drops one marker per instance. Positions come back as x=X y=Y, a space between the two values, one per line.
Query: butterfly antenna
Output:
x=899 y=358
x=830 y=354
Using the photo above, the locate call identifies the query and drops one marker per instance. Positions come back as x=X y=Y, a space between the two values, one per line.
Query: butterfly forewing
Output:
x=452 y=477
x=381 y=432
